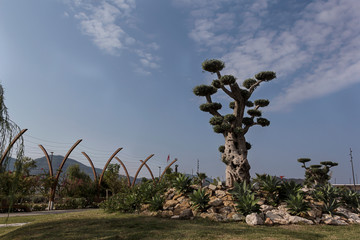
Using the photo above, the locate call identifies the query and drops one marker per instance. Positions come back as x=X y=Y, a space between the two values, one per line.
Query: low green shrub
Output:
x=71 y=203
x=39 y=207
x=122 y=202
x=156 y=202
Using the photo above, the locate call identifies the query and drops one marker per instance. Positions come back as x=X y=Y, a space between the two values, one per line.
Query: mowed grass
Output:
x=96 y=224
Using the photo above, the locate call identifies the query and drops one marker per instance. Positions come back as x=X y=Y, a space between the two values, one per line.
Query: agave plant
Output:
x=296 y=204
x=330 y=206
x=326 y=192
x=247 y=204
x=241 y=189
x=351 y=199
x=289 y=188
x=270 y=186
x=182 y=183
x=199 y=199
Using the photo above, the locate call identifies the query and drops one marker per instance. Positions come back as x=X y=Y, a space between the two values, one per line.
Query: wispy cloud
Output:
x=106 y=23
x=315 y=49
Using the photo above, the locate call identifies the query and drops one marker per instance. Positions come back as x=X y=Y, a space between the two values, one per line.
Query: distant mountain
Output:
x=42 y=166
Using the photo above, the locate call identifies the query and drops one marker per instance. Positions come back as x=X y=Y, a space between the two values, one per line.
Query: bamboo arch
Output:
x=152 y=176
x=126 y=171
x=142 y=164
x=92 y=165
x=167 y=169
x=11 y=145
x=107 y=163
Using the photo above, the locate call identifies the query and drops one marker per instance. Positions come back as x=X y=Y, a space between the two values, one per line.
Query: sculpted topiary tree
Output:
x=316 y=174
x=236 y=125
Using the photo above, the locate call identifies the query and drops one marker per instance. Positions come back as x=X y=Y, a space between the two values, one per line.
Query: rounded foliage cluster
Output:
x=238 y=130
x=254 y=112
x=228 y=79
x=222 y=148
x=216 y=120
x=245 y=93
x=249 y=82
x=248 y=145
x=262 y=102
x=222 y=128
x=329 y=163
x=207 y=107
x=263 y=122
x=216 y=83
x=265 y=76
x=247 y=121
x=213 y=65
x=204 y=90
x=249 y=104
x=229 y=118
x=304 y=160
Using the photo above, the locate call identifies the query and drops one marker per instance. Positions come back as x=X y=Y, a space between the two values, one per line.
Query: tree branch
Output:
x=212 y=112
x=252 y=88
x=229 y=93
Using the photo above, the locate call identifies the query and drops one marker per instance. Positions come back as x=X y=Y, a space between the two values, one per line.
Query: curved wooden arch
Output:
x=53 y=189
x=92 y=165
x=65 y=158
x=11 y=145
x=133 y=183
x=107 y=163
x=167 y=168
x=152 y=176
x=48 y=160
x=126 y=171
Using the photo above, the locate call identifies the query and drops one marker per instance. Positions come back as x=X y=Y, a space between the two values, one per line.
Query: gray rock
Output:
x=297 y=219
x=216 y=202
x=212 y=187
x=220 y=193
x=186 y=214
x=265 y=208
x=276 y=218
x=238 y=217
x=333 y=220
x=254 y=219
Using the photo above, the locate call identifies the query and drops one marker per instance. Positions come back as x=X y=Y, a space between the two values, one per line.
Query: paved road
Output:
x=43 y=212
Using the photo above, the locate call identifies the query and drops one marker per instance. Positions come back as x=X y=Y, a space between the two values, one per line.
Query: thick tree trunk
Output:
x=235 y=157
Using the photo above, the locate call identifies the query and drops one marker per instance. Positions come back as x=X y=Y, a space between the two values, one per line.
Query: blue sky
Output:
x=120 y=73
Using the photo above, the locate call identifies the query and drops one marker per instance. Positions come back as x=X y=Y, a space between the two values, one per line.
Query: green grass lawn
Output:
x=99 y=225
